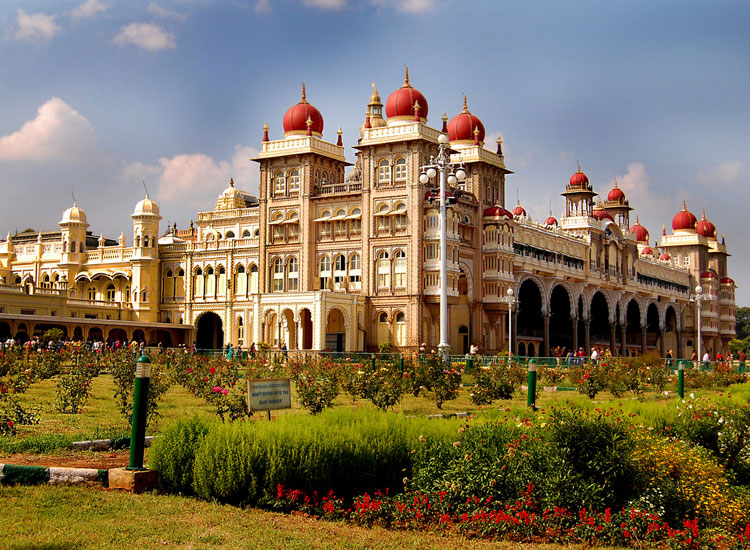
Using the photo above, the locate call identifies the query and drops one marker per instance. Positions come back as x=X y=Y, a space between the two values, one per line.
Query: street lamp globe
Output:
x=431 y=173
x=699 y=289
x=452 y=180
x=510 y=292
x=424 y=179
x=461 y=174
x=442 y=139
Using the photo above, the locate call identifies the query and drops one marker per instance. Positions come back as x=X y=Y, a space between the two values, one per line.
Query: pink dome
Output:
x=498 y=211
x=296 y=117
x=400 y=103
x=640 y=232
x=684 y=220
x=461 y=127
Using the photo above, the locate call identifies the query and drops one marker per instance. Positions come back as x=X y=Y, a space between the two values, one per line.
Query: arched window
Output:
x=355 y=272
x=253 y=278
x=325 y=272
x=400 y=332
x=278 y=275
x=400 y=169
x=210 y=282
x=384 y=171
x=91 y=293
x=384 y=220
x=399 y=270
x=384 y=270
x=294 y=181
x=222 y=282
x=110 y=296
x=339 y=274
x=144 y=296
x=229 y=235
x=325 y=179
x=127 y=293
x=384 y=336
x=279 y=186
x=399 y=215
x=240 y=330
x=245 y=233
x=293 y=274
x=292 y=222
x=240 y=281
x=199 y=286
x=339 y=225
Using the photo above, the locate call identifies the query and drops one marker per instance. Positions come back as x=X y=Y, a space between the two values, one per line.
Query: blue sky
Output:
x=99 y=95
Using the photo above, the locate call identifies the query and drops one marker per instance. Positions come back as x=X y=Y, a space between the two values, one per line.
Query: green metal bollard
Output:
x=140 y=404
x=372 y=362
x=530 y=401
x=681 y=380
x=469 y=364
x=401 y=362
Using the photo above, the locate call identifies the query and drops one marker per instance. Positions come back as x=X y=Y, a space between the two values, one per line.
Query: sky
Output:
x=98 y=97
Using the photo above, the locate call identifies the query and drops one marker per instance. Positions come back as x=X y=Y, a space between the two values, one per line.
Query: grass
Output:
x=67 y=518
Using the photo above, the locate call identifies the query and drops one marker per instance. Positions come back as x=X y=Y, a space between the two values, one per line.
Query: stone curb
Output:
x=108 y=444
x=12 y=474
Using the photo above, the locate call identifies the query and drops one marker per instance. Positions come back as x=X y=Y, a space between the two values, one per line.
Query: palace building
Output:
x=341 y=256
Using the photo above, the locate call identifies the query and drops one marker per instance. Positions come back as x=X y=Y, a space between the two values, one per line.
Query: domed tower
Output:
x=231 y=198
x=374 y=113
x=640 y=232
x=73 y=227
x=406 y=104
x=618 y=206
x=465 y=128
x=579 y=196
x=145 y=282
x=303 y=119
x=705 y=228
x=684 y=221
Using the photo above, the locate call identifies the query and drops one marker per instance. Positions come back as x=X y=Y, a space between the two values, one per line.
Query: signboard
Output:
x=269 y=394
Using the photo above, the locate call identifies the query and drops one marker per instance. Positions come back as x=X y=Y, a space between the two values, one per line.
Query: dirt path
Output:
x=101 y=461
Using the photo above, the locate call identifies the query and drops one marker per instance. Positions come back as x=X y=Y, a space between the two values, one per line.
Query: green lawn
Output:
x=68 y=518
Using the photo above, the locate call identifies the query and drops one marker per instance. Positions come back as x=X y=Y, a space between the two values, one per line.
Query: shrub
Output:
x=493 y=382
x=12 y=414
x=173 y=454
x=121 y=365
x=429 y=376
x=316 y=381
x=74 y=388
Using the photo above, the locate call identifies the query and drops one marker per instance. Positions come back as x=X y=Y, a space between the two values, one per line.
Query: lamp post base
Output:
x=134 y=481
x=444 y=352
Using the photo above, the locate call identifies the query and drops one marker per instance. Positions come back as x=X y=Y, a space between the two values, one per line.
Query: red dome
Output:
x=550 y=221
x=496 y=211
x=461 y=127
x=707 y=275
x=726 y=281
x=519 y=210
x=665 y=257
x=647 y=251
x=705 y=228
x=616 y=194
x=295 y=119
x=400 y=103
x=579 y=179
x=640 y=232
x=602 y=215
x=684 y=220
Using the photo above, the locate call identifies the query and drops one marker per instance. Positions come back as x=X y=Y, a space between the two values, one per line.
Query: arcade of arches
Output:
x=546 y=320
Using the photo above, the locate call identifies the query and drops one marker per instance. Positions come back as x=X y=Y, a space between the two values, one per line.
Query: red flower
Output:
x=10 y=423
x=212 y=370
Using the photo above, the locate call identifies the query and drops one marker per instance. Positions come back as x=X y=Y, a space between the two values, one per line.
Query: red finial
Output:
x=476 y=135
x=445 y=123
x=416 y=111
x=367 y=122
x=500 y=146
x=265 y=132
x=340 y=141
x=664 y=229
x=308 y=122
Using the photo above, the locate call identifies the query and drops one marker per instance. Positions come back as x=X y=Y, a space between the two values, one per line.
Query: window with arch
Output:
x=400 y=169
x=279 y=185
x=278 y=228
x=144 y=296
x=253 y=283
x=384 y=270
x=91 y=293
x=339 y=273
x=240 y=281
x=167 y=286
x=294 y=181
x=245 y=233
x=384 y=171
x=46 y=281
x=17 y=280
x=325 y=179
x=110 y=294
x=240 y=330
x=278 y=275
x=229 y=235
x=256 y=232
x=293 y=274
x=384 y=332
x=127 y=293
x=325 y=272
x=384 y=220
x=399 y=269
x=210 y=282
x=355 y=272
x=339 y=225
x=399 y=216
x=400 y=332
x=199 y=283
x=325 y=226
x=356 y=220
x=433 y=221
x=292 y=223
x=221 y=289
x=179 y=283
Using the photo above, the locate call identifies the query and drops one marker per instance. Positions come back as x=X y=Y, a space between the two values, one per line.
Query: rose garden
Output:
x=609 y=456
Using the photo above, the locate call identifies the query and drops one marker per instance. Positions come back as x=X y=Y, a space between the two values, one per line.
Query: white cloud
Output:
x=408 y=6
x=159 y=11
x=148 y=36
x=325 y=4
x=36 y=26
x=263 y=6
x=89 y=8
x=193 y=181
x=727 y=172
x=58 y=132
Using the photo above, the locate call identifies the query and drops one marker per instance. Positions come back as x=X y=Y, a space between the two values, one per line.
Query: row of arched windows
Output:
x=391 y=269
x=285 y=274
x=340 y=272
x=388 y=173
x=396 y=334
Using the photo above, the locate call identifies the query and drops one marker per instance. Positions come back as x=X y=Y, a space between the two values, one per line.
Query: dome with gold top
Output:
x=465 y=127
x=74 y=214
x=146 y=206
x=303 y=118
x=403 y=102
x=230 y=198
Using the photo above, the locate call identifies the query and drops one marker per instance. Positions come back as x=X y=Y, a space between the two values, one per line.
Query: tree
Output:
x=742 y=320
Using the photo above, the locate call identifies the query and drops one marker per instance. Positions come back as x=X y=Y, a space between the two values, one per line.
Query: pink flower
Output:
x=216 y=389
x=190 y=370
x=225 y=391
x=212 y=370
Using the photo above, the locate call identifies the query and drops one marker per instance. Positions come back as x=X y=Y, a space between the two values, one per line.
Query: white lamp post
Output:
x=511 y=300
x=698 y=299
x=442 y=167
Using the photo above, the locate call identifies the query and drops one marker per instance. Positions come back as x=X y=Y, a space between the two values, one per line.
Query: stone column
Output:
x=586 y=337
x=662 y=346
x=574 y=320
x=545 y=344
x=643 y=338
x=613 y=340
x=623 y=338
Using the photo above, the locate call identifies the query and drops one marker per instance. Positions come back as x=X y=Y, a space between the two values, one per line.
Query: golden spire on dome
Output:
x=445 y=117
x=684 y=206
x=375 y=97
x=304 y=94
x=406 y=78
x=231 y=182
x=265 y=126
x=704 y=215
x=637 y=220
x=579 y=167
x=615 y=183
x=466 y=107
